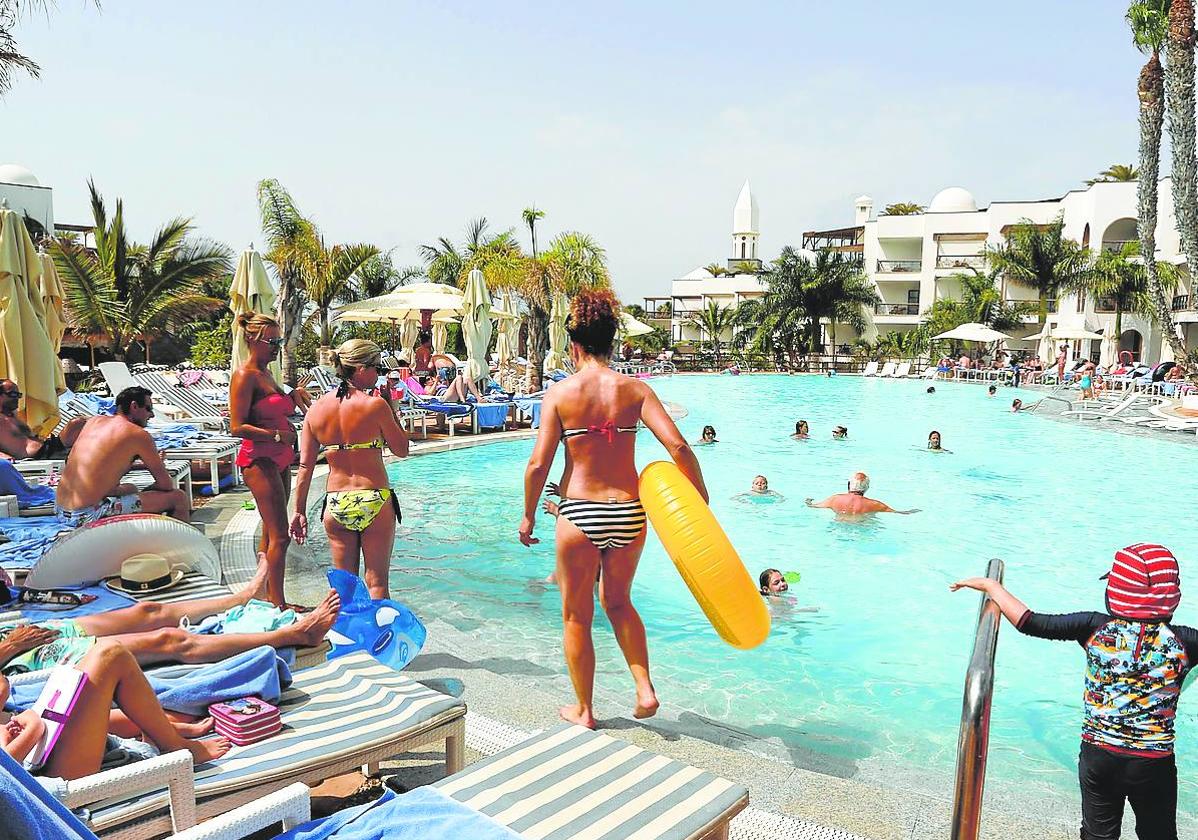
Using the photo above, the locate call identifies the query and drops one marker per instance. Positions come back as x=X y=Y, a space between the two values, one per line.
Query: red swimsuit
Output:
x=270 y=412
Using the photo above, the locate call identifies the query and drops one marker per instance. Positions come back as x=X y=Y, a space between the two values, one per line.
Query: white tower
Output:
x=745 y=229
x=863 y=207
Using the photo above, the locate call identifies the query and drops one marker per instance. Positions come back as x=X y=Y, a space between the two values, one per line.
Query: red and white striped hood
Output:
x=1144 y=583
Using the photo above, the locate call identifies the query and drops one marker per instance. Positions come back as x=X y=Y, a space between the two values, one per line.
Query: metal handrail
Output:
x=974 y=737
x=1043 y=397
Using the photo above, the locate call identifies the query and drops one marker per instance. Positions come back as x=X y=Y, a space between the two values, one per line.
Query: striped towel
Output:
x=574 y=784
x=346 y=707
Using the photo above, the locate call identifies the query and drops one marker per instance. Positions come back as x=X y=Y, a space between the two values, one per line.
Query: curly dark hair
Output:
x=594 y=318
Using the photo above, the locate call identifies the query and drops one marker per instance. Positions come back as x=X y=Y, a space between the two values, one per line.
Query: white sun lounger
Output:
x=349 y=712
x=887 y=369
x=903 y=370
x=871 y=369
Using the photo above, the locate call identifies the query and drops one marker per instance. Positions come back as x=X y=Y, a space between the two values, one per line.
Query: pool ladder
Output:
x=974 y=737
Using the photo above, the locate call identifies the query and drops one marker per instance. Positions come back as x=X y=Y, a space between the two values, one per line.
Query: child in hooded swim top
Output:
x=1136 y=661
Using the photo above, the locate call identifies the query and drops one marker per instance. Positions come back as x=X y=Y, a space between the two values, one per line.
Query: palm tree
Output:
x=903 y=208
x=713 y=321
x=743 y=267
x=329 y=277
x=715 y=269
x=980 y=302
x=1149 y=22
x=127 y=291
x=291 y=239
x=1116 y=172
x=1041 y=257
x=379 y=276
x=11 y=60
x=446 y=262
x=531 y=216
x=1119 y=276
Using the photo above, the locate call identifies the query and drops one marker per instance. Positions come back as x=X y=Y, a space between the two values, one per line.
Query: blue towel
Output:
x=106 y=600
x=97 y=405
x=489 y=415
x=12 y=483
x=190 y=690
x=28 y=811
x=175 y=435
x=448 y=408
x=30 y=539
x=421 y=814
x=532 y=408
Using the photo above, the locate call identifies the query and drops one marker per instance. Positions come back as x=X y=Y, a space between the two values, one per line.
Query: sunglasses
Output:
x=273 y=342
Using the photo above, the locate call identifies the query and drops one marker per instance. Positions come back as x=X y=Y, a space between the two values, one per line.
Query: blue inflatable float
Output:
x=387 y=630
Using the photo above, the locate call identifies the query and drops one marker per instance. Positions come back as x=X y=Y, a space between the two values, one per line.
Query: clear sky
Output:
x=637 y=122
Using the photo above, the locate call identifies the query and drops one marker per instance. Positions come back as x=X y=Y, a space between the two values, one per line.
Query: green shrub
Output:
x=213 y=347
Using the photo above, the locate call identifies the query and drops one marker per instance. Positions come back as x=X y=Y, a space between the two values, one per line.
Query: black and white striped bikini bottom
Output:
x=606 y=524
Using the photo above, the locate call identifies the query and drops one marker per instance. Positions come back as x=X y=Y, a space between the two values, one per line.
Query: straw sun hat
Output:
x=144 y=573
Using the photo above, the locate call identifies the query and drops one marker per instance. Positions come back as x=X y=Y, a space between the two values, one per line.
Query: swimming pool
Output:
x=868 y=687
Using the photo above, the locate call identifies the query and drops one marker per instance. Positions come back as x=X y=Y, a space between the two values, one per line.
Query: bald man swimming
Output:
x=855 y=503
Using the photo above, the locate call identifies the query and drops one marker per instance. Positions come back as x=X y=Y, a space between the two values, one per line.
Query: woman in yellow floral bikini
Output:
x=360 y=509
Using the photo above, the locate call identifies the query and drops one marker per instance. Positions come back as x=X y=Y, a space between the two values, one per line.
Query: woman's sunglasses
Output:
x=273 y=342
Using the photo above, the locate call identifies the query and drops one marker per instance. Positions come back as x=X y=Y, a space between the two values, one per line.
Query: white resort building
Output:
x=912 y=261
x=693 y=292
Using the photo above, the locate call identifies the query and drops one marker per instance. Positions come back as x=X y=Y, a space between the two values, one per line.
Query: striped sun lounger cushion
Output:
x=192 y=587
x=345 y=707
x=572 y=783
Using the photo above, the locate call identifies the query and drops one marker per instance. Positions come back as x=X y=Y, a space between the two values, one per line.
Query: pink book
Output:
x=54 y=706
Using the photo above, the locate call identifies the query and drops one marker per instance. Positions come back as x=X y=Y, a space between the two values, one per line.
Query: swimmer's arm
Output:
x=1012 y=608
x=658 y=420
x=811 y=503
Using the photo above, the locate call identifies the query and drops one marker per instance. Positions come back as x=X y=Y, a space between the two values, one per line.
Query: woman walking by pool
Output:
x=259 y=413
x=601 y=524
x=360 y=509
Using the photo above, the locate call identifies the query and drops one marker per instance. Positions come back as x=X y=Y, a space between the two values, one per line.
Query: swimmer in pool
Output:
x=854 y=504
x=708 y=437
x=992 y=390
x=840 y=433
x=931 y=389
x=759 y=491
x=1018 y=405
x=801 y=431
x=934 y=443
x=772 y=583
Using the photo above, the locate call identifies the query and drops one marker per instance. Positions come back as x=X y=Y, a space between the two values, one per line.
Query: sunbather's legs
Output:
x=577 y=563
x=175 y=645
x=378 y=541
x=270 y=486
x=151 y=616
x=114 y=676
x=615 y=594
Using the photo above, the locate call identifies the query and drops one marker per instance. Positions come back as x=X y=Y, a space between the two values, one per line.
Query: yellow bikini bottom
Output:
x=354 y=510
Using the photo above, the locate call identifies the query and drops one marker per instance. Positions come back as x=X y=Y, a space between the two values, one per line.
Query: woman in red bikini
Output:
x=260 y=413
x=600 y=522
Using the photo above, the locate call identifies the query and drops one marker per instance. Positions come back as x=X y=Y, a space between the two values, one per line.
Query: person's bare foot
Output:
x=256 y=588
x=646 y=704
x=193 y=729
x=208 y=749
x=575 y=714
x=312 y=627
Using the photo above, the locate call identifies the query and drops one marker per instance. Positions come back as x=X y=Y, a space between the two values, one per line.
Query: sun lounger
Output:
x=39 y=470
x=188 y=404
x=1106 y=412
x=871 y=369
x=903 y=370
x=887 y=369
x=570 y=782
x=31 y=812
x=346 y=713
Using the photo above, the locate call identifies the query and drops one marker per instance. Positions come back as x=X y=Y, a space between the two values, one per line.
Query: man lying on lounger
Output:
x=152 y=634
x=855 y=503
x=91 y=488
x=17 y=439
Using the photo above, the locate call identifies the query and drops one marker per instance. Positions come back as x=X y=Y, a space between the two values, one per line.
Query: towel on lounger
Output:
x=191 y=689
x=423 y=813
x=29 y=811
x=106 y=601
x=12 y=483
x=532 y=408
x=30 y=537
x=490 y=415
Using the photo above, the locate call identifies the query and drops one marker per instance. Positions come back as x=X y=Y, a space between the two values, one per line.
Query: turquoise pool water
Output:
x=870 y=685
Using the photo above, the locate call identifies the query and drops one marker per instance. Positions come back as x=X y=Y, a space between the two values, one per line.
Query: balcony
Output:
x=1115 y=245
x=1182 y=303
x=896 y=308
x=899 y=266
x=961 y=261
x=1104 y=304
x=1033 y=302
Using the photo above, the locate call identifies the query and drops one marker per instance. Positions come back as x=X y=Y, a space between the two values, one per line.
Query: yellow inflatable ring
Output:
x=705 y=558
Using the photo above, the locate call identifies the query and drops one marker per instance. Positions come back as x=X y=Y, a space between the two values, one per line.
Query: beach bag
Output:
x=386 y=629
x=246 y=720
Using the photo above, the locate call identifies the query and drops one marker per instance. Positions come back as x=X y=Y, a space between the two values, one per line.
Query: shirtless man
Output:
x=16 y=438
x=91 y=488
x=854 y=502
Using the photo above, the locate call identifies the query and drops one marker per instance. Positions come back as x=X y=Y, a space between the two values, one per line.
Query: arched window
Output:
x=742 y=247
x=1132 y=341
x=1086 y=236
